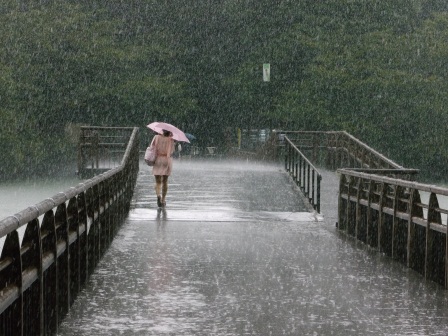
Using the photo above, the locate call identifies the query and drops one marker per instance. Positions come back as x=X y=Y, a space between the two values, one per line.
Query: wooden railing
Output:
x=303 y=172
x=338 y=149
x=304 y=150
x=405 y=220
x=51 y=248
x=379 y=204
x=101 y=149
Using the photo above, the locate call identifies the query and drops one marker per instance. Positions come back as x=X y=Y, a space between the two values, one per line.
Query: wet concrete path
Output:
x=237 y=252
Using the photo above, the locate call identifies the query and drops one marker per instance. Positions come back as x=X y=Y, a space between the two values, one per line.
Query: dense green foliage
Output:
x=377 y=69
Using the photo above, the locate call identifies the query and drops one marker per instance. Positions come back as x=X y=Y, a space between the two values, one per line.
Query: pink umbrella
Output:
x=158 y=127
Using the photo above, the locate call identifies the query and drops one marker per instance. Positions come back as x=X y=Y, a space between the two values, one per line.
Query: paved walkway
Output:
x=237 y=252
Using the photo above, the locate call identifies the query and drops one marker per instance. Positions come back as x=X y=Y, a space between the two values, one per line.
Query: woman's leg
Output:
x=158 y=188
x=164 y=188
x=158 y=185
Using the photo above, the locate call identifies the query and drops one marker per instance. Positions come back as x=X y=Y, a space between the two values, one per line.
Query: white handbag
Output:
x=150 y=156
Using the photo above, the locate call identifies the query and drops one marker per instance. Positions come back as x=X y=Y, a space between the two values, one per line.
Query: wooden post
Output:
x=446 y=258
x=340 y=208
x=308 y=181
x=296 y=166
x=313 y=200
x=11 y=272
x=380 y=213
x=410 y=228
x=319 y=178
x=427 y=243
x=434 y=216
x=369 y=212
x=294 y=160
x=348 y=207
x=394 y=220
x=358 y=206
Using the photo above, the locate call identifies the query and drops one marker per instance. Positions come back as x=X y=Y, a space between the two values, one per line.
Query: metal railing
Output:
x=405 y=220
x=50 y=249
x=303 y=172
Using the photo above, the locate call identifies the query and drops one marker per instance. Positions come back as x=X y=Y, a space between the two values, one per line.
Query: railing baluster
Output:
x=313 y=201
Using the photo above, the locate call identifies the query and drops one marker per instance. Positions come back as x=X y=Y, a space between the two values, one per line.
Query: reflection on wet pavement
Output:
x=237 y=253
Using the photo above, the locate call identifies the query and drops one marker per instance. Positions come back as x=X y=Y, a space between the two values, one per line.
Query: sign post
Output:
x=266 y=72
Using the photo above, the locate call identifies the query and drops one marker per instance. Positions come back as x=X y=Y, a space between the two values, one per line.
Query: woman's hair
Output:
x=167 y=133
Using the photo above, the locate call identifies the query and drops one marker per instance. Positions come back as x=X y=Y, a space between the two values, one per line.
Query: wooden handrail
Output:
x=65 y=237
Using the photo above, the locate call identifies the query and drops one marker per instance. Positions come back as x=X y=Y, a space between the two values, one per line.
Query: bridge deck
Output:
x=237 y=252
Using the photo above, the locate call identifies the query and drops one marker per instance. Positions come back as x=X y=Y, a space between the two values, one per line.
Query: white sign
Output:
x=266 y=72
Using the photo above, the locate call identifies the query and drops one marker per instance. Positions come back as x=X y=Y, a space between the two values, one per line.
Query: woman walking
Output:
x=164 y=145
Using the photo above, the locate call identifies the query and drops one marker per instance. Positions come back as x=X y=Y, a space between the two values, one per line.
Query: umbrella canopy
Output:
x=158 y=127
x=190 y=136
